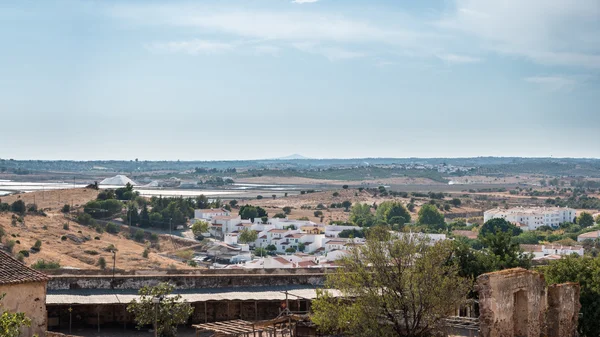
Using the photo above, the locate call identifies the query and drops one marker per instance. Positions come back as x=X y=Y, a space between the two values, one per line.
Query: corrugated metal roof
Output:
x=106 y=296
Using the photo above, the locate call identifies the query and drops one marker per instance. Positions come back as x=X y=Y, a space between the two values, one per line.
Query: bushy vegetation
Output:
x=43 y=265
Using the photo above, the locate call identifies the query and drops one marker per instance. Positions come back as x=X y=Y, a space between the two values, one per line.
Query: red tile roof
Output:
x=306 y=264
x=13 y=271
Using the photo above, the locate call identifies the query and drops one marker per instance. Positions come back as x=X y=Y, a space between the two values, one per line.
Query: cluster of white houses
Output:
x=294 y=240
x=532 y=218
x=284 y=234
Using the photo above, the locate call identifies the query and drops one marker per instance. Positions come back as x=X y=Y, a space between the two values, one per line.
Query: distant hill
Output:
x=292 y=157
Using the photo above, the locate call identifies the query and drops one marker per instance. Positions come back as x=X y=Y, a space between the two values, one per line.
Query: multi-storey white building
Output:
x=532 y=217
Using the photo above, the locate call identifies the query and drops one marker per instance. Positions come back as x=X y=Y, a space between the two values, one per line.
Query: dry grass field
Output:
x=84 y=251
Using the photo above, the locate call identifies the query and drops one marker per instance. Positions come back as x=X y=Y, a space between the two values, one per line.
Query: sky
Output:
x=232 y=80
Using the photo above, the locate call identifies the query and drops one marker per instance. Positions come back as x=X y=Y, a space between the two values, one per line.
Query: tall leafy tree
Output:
x=247 y=236
x=390 y=209
x=585 y=219
x=494 y=225
x=503 y=253
x=144 y=217
x=361 y=215
x=168 y=313
x=199 y=227
x=248 y=212
x=391 y=287
x=431 y=217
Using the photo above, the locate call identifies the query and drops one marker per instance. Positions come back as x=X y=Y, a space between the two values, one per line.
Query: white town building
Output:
x=532 y=217
x=540 y=251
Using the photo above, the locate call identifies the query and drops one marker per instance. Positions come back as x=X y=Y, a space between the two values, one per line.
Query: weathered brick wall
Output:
x=183 y=281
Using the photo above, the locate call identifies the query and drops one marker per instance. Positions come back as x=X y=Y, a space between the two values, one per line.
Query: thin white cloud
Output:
x=459 y=59
x=267 y=50
x=331 y=53
x=556 y=32
x=192 y=47
x=553 y=83
x=304 y=1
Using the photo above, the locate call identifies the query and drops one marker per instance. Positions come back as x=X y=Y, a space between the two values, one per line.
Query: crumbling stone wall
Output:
x=512 y=302
x=563 y=310
x=516 y=303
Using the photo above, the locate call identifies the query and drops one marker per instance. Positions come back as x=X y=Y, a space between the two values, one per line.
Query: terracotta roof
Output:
x=468 y=234
x=306 y=264
x=225 y=217
x=281 y=260
x=593 y=234
x=278 y=231
x=13 y=271
x=531 y=248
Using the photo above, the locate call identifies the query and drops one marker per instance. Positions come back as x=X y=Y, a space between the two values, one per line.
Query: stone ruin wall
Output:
x=516 y=303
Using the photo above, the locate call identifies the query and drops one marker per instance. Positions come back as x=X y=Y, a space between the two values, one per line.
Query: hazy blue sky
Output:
x=329 y=78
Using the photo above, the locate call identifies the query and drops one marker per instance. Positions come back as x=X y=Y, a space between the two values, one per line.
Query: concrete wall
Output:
x=183 y=281
x=29 y=298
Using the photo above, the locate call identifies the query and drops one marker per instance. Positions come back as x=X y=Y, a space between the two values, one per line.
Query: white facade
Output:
x=533 y=217
x=208 y=214
x=545 y=250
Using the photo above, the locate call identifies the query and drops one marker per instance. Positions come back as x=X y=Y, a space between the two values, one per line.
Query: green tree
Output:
x=301 y=247
x=260 y=251
x=271 y=248
x=144 y=217
x=233 y=203
x=585 y=219
x=389 y=209
x=391 y=287
x=586 y=272
x=346 y=204
x=345 y=187
x=352 y=233
x=66 y=208
x=156 y=219
x=287 y=210
x=247 y=236
x=11 y=323
x=336 y=194
x=456 y=202
x=598 y=220
x=168 y=313
x=101 y=263
x=431 y=217
x=18 y=207
x=133 y=216
x=199 y=227
x=248 y=212
x=503 y=252
x=318 y=214
x=494 y=225
x=361 y=215
x=290 y=250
